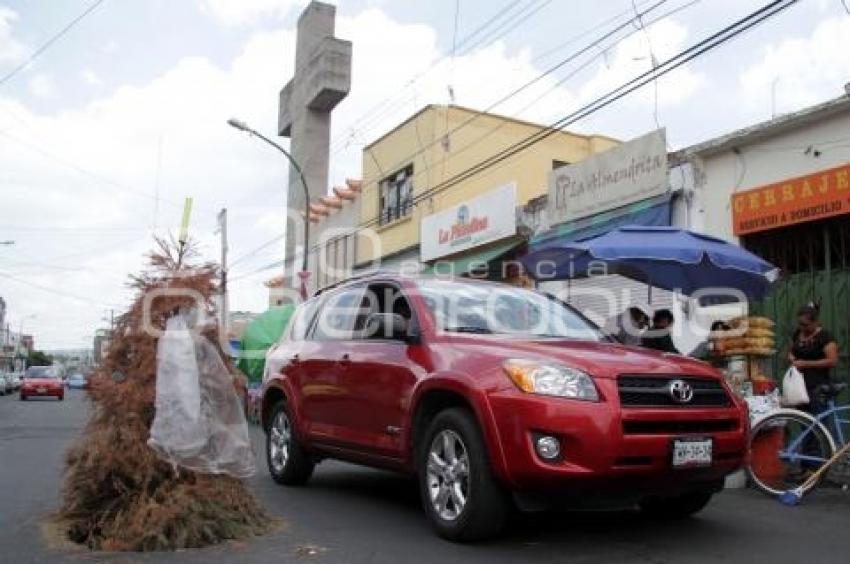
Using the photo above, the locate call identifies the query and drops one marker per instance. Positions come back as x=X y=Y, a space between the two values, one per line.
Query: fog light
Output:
x=548 y=447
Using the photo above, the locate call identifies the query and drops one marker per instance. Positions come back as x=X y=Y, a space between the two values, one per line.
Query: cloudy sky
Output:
x=105 y=133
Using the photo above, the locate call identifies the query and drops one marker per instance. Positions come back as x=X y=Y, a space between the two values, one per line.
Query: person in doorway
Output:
x=658 y=337
x=628 y=327
x=814 y=353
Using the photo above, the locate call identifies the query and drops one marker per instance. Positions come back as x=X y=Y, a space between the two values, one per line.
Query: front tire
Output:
x=785 y=448
x=460 y=494
x=289 y=464
x=678 y=507
x=23 y=397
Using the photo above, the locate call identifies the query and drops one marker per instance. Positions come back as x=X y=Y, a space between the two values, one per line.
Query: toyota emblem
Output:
x=680 y=391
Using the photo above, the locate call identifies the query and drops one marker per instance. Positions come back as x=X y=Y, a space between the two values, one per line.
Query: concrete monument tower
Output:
x=322 y=79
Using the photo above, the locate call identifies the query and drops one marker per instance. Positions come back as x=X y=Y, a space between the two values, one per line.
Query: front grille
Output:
x=679 y=427
x=651 y=391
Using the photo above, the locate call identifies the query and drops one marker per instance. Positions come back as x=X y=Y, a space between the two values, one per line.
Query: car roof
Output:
x=382 y=275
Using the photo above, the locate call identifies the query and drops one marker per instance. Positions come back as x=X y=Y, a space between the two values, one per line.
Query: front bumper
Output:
x=609 y=449
x=43 y=392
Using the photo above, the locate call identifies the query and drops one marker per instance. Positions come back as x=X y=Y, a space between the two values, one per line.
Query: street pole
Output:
x=304 y=274
x=225 y=307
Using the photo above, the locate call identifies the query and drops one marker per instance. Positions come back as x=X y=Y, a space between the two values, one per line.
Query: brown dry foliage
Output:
x=117 y=494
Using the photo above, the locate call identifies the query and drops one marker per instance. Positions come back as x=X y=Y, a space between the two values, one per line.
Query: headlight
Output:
x=535 y=377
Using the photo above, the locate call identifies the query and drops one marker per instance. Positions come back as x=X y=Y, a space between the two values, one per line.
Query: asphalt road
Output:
x=352 y=515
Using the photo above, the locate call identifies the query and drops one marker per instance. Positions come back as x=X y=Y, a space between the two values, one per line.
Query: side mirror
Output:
x=387 y=326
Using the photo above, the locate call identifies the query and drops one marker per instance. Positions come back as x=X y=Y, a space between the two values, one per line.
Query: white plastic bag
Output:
x=199 y=422
x=177 y=428
x=794 y=388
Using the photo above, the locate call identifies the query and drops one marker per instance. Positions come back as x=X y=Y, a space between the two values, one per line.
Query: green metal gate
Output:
x=832 y=289
x=815 y=260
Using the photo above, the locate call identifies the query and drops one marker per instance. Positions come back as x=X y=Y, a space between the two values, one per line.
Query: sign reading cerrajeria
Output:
x=487 y=218
x=620 y=176
x=798 y=200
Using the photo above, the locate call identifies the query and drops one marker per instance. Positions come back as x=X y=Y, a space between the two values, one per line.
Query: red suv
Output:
x=493 y=394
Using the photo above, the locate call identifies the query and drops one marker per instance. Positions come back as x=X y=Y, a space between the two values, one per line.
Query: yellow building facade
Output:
x=405 y=172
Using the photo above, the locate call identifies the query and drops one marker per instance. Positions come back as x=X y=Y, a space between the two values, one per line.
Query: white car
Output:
x=6 y=384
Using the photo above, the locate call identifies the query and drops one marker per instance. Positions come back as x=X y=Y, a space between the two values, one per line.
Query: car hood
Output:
x=601 y=360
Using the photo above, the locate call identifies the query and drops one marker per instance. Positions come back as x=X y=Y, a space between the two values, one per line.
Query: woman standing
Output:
x=814 y=353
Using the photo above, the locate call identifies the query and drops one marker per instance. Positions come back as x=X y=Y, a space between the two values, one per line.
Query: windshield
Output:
x=465 y=307
x=41 y=372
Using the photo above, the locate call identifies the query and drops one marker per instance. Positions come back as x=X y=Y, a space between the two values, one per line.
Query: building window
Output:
x=396 y=195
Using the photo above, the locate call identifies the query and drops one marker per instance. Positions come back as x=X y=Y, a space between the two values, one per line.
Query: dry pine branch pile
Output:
x=117 y=494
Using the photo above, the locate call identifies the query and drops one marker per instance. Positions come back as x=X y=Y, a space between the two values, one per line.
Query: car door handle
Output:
x=345 y=359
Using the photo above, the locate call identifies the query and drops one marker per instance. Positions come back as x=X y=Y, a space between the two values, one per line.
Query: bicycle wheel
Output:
x=785 y=448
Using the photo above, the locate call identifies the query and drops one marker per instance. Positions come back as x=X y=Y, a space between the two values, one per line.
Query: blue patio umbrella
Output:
x=665 y=257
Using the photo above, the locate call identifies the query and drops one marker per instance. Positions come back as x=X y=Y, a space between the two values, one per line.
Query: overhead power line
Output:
x=47 y=44
x=50 y=290
x=595 y=44
x=523 y=87
x=712 y=42
x=392 y=103
x=715 y=40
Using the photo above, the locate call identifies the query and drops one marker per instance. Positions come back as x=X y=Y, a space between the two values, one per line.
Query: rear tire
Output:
x=678 y=507
x=460 y=494
x=289 y=464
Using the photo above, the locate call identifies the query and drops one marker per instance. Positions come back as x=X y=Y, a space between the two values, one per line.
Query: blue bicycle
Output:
x=788 y=445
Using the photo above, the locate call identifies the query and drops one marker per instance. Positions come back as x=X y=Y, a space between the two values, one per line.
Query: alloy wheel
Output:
x=448 y=475
x=280 y=435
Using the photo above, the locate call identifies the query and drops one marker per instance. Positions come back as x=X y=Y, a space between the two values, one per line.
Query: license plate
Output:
x=692 y=452
x=42 y=390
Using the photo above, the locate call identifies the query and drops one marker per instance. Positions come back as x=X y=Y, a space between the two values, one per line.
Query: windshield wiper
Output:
x=469 y=329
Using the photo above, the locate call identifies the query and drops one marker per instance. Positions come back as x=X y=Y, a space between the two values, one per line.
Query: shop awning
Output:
x=462 y=264
x=652 y=212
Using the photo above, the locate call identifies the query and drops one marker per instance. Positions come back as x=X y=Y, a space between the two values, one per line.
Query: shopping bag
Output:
x=794 y=388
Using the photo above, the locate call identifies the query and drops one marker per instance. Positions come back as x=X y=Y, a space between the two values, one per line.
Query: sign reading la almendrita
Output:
x=628 y=173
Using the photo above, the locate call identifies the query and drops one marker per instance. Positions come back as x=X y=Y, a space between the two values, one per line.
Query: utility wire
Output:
x=696 y=50
x=382 y=105
x=590 y=47
x=505 y=98
x=388 y=108
x=594 y=44
x=55 y=291
x=46 y=45
x=715 y=40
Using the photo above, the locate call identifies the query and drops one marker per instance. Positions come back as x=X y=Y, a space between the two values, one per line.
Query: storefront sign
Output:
x=798 y=200
x=487 y=218
x=620 y=176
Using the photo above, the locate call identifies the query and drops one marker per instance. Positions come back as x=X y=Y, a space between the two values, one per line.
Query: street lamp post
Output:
x=21 y=335
x=242 y=126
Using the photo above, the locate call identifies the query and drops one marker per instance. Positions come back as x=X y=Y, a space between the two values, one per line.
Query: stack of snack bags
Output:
x=751 y=335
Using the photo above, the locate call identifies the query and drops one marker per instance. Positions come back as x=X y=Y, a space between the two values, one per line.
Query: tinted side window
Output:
x=303 y=319
x=337 y=315
x=381 y=298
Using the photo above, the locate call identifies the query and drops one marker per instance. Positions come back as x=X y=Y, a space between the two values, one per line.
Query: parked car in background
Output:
x=6 y=383
x=42 y=381
x=494 y=394
x=77 y=381
x=17 y=378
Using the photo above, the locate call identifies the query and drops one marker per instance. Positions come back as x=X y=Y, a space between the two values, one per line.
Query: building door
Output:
x=815 y=262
